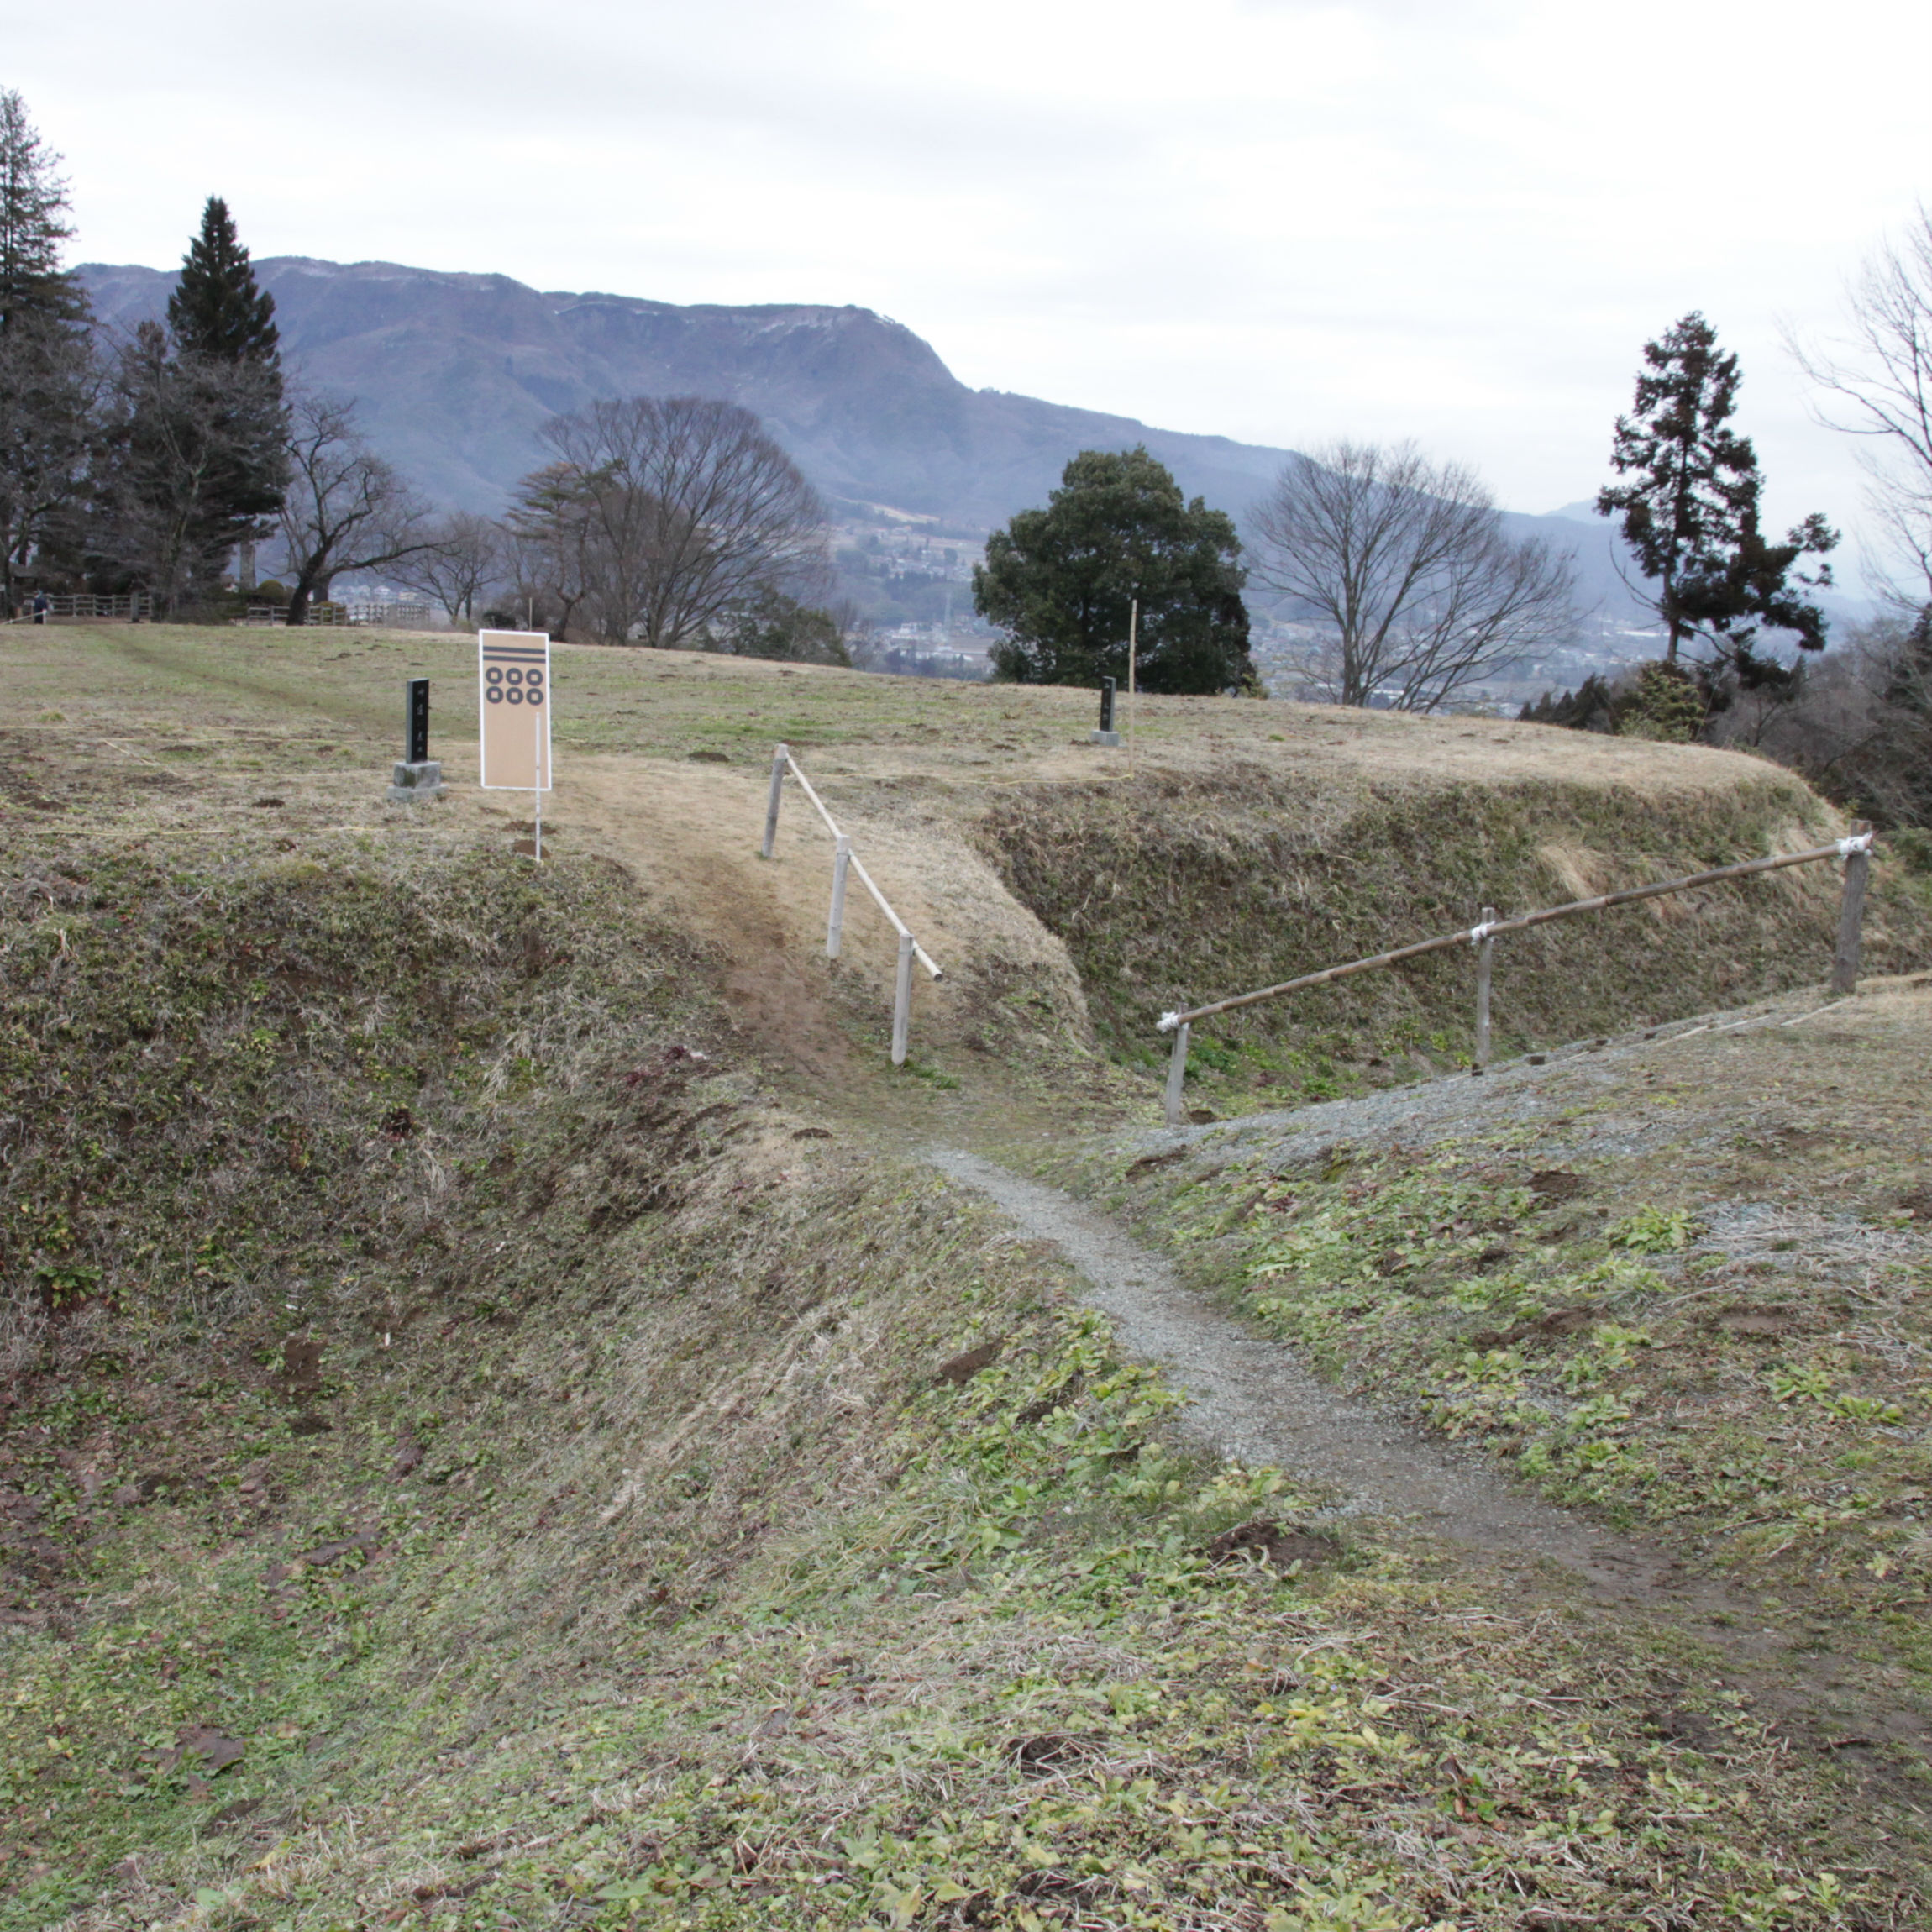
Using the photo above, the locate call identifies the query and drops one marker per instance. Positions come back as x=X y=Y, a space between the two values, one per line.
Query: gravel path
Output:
x=1456 y=1106
x=1250 y=1400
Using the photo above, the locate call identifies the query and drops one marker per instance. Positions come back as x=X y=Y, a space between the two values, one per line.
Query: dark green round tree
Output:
x=1061 y=582
x=216 y=310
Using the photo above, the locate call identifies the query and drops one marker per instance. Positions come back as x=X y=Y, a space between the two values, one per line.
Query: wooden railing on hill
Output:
x=844 y=860
x=1855 y=851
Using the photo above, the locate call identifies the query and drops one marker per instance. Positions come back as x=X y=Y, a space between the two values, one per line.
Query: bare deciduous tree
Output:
x=346 y=508
x=1405 y=566
x=48 y=388
x=1859 y=725
x=464 y=556
x=1881 y=376
x=661 y=512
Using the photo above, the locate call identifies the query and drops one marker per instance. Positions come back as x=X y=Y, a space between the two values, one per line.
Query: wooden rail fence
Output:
x=845 y=861
x=133 y=606
x=1855 y=851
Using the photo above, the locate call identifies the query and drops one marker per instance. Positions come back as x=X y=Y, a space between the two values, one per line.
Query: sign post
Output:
x=513 y=706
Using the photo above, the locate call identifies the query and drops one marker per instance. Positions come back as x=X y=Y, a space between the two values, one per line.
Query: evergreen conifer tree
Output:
x=224 y=377
x=1690 y=510
x=216 y=310
x=47 y=377
x=34 y=286
x=1062 y=581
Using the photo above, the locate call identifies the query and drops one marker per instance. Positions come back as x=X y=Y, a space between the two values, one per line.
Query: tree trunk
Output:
x=308 y=586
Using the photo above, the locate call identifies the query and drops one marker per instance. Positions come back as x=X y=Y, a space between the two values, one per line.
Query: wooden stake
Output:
x=1851 y=916
x=779 y=760
x=1133 y=651
x=1485 y=957
x=902 y=999
x=835 y=926
x=1177 y=1074
x=537 y=771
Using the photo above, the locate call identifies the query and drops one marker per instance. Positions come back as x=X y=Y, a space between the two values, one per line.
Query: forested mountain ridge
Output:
x=455 y=373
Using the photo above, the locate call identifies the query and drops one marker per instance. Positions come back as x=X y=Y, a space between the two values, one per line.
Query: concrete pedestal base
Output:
x=411 y=783
x=1111 y=738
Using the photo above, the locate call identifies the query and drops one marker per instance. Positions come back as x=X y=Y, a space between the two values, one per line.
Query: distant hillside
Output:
x=455 y=372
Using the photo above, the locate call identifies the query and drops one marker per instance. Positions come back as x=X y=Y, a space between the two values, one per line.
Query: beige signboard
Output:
x=513 y=697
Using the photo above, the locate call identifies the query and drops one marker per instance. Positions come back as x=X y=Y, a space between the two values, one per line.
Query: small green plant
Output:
x=1665 y=705
x=1654 y=1231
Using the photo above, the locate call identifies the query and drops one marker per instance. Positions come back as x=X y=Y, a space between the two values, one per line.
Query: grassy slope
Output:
x=641 y=1569
x=1204 y=886
x=643 y=1573
x=1253 y=842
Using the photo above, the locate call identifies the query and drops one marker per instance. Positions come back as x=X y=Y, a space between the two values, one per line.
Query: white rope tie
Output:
x=1861 y=843
x=1477 y=934
x=1168 y=1022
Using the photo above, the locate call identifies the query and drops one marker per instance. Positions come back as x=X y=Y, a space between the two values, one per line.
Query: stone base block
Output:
x=1111 y=737
x=409 y=784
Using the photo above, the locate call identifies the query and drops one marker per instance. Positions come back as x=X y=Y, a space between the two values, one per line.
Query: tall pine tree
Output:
x=47 y=378
x=34 y=286
x=228 y=351
x=216 y=310
x=1690 y=510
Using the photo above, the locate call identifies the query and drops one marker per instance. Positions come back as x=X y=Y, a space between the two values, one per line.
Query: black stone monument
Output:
x=1106 y=734
x=418 y=689
x=419 y=776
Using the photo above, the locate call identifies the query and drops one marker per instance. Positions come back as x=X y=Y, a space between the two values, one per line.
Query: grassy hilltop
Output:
x=473 y=1448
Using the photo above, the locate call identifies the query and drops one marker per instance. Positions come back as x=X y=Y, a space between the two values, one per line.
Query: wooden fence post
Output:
x=1485 y=959
x=835 y=927
x=1851 y=916
x=1177 y=1073
x=902 y=999
x=778 y=764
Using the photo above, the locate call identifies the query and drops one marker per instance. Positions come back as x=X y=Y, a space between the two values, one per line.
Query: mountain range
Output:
x=455 y=373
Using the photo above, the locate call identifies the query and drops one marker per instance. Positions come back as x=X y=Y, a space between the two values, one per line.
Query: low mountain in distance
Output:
x=455 y=373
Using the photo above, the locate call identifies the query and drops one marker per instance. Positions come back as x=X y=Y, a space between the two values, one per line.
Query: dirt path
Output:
x=1251 y=1399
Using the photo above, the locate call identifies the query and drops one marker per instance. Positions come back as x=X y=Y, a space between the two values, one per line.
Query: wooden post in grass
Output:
x=1133 y=652
x=902 y=999
x=778 y=758
x=536 y=768
x=1485 y=959
x=835 y=927
x=1852 y=914
x=1176 y=1115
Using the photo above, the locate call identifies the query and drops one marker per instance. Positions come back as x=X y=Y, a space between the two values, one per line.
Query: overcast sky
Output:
x=1278 y=220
